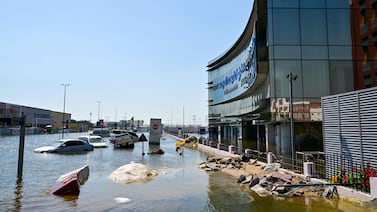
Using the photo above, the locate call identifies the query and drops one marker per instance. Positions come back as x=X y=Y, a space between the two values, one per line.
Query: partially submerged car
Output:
x=95 y=140
x=67 y=145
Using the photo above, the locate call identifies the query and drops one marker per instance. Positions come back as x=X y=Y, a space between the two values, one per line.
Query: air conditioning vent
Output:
x=308 y=169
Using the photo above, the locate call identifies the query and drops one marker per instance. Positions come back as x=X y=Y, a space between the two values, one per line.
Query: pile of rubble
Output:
x=266 y=179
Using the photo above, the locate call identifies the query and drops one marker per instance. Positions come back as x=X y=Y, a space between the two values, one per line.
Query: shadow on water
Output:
x=72 y=199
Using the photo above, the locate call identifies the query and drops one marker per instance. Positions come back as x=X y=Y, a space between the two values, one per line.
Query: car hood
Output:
x=44 y=149
x=98 y=145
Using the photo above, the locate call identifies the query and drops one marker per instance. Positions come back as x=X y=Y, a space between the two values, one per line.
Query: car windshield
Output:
x=84 y=138
x=55 y=143
x=95 y=140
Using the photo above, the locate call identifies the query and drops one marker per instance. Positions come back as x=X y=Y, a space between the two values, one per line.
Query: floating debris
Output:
x=133 y=172
x=121 y=200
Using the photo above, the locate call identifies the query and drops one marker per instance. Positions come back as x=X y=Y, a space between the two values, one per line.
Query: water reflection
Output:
x=225 y=194
x=72 y=199
x=18 y=194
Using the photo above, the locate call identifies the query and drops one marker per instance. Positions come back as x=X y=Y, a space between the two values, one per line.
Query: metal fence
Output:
x=354 y=174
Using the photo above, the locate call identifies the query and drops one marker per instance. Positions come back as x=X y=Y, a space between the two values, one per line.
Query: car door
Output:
x=73 y=146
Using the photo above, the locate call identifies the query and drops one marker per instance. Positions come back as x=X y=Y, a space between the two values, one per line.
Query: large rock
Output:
x=133 y=173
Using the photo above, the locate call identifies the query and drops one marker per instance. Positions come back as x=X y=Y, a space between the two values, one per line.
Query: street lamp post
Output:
x=291 y=76
x=63 y=122
x=99 y=106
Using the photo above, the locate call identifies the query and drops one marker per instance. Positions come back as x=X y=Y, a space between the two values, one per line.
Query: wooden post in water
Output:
x=21 y=147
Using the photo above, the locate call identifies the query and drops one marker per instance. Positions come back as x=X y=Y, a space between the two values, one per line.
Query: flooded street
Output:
x=179 y=186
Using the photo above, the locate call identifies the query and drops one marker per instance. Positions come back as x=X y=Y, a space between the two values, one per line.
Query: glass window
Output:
x=339 y=32
x=313 y=27
x=282 y=69
x=367 y=81
x=312 y=3
x=271 y=54
x=340 y=52
x=287 y=52
x=286 y=29
x=341 y=76
x=316 y=78
x=315 y=52
x=271 y=81
x=284 y=3
x=270 y=28
x=338 y=3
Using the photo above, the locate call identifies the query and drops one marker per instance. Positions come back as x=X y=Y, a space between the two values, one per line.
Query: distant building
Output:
x=58 y=119
x=131 y=124
x=35 y=117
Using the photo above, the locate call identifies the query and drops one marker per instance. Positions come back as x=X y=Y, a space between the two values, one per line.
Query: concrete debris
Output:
x=264 y=179
x=218 y=163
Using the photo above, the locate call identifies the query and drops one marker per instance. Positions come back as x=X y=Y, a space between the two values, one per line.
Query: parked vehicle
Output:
x=68 y=145
x=104 y=132
x=95 y=140
x=123 y=138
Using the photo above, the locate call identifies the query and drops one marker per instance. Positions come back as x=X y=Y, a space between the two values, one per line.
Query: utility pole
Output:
x=63 y=122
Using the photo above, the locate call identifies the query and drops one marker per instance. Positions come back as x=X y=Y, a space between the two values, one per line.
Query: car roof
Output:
x=69 y=139
x=90 y=136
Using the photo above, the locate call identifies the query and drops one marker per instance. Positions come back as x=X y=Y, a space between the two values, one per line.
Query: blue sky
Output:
x=139 y=58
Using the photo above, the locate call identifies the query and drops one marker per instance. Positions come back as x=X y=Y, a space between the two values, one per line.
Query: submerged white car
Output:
x=95 y=140
x=68 y=145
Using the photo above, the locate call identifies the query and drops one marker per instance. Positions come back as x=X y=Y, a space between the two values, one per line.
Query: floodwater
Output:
x=179 y=186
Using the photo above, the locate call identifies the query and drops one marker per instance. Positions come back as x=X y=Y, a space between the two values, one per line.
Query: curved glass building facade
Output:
x=251 y=95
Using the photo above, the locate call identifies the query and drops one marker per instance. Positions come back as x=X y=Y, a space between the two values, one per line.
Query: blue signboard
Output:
x=238 y=79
